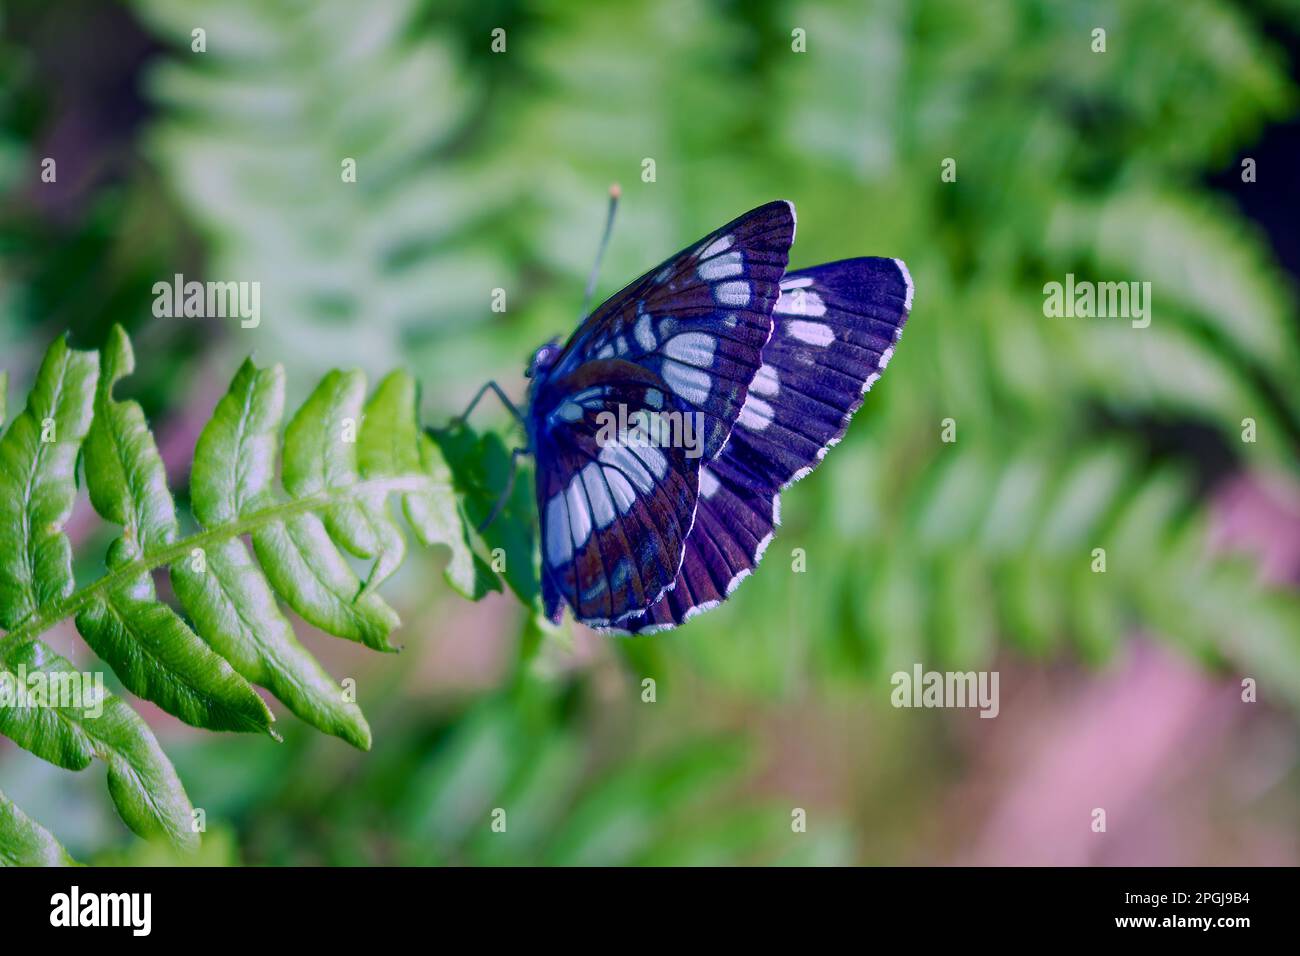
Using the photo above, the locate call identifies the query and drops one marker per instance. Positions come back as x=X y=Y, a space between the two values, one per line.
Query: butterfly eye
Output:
x=543 y=359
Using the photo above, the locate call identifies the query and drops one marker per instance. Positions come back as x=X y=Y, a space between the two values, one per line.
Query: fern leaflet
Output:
x=344 y=461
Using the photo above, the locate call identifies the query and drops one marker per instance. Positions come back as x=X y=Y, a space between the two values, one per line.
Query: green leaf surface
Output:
x=148 y=645
x=389 y=447
x=158 y=657
x=310 y=574
x=234 y=468
x=235 y=610
x=320 y=452
x=124 y=473
x=141 y=780
x=38 y=467
x=24 y=842
x=345 y=459
x=437 y=518
x=480 y=466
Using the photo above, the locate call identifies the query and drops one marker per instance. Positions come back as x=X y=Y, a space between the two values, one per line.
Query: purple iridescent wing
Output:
x=685 y=339
x=835 y=330
x=614 y=515
x=700 y=319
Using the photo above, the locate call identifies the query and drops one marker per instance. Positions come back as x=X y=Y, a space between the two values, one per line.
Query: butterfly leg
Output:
x=505 y=400
x=504 y=498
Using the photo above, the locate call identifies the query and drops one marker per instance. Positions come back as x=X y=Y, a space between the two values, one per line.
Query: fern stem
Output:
x=177 y=550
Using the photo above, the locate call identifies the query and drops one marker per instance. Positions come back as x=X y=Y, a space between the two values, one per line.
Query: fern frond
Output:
x=407 y=223
x=147 y=644
x=141 y=780
x=344 y=460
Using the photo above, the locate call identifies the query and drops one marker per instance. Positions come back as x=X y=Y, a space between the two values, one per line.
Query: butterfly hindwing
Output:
x=835 y=327
x=734 y=523
x=615 y=515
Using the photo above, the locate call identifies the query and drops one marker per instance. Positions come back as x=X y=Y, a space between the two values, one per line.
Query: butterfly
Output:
x=639 y=533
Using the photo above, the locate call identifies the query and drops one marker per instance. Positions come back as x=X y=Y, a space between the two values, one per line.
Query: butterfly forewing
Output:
x=700 y=319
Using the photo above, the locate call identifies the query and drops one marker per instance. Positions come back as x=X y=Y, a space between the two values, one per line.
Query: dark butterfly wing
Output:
x=734 y=523
x=835 y=330
x=700 y=319
x=614 y=515
x=685 y=338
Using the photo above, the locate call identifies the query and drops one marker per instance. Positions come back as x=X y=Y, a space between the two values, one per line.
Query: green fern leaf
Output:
x=481 y=466
x=438 y=519
x=238 y=447
x=142 y=782
x=334 y=499
x=147 y=644
x=236 y=612
x=38 y=464
x=343 y=460
x=23 y=841
x=320 y=452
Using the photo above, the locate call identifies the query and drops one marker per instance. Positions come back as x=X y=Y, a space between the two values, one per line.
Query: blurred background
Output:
x=479 y=170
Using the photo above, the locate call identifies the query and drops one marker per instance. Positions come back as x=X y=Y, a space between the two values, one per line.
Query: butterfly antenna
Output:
x=614 y=193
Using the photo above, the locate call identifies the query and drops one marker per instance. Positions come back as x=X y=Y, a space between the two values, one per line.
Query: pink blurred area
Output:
x=1186 y=772
x=1185 y=769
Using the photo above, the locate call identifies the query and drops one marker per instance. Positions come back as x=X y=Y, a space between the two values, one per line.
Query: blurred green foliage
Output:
x=479 y=171
x=571 y=794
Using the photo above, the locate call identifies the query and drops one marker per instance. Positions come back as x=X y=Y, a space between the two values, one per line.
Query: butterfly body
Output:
x=738 y=376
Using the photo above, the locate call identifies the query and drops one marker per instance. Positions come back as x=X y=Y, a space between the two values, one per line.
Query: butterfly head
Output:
x=543 y=359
